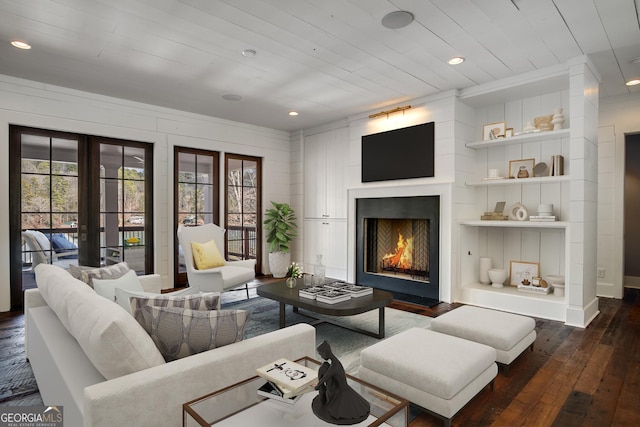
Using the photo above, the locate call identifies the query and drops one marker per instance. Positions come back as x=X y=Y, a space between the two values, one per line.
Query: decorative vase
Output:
x=279 y=263
x=485 y=264
x=291 y=282
x=558 y=119
x=318 y=271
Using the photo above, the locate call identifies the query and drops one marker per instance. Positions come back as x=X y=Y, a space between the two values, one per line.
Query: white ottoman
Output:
x=510 y=334
x=438 y=372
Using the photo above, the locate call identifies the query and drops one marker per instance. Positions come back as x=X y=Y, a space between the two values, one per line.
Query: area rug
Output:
x=346 y=344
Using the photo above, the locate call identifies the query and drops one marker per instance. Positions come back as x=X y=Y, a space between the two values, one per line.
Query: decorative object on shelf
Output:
x=530 y=128
x=522 y=272
x=497 y=276
x=494 y=174
x=486 y=264
x=518 y=212
x=540 y=169
x=280 y=227
x=497 y=214
x=337 y=402
x=493 y=131
x=545 y=209
x=558 y=119
x=557 y=282
x=543 y=123
x=533 y=289
x=522 y=168
x=508 y=132
x=318 y=271
x=557 y=165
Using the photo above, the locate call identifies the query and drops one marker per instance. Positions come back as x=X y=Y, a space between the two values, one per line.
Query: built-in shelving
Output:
x=518 y=181
x=524 y=138
x=516 y=224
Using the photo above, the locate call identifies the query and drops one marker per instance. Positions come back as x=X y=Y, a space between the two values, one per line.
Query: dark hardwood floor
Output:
x=574 y=376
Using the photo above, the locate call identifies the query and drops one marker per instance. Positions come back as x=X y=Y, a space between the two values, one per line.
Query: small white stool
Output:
x=509 y=334
x=438 y=372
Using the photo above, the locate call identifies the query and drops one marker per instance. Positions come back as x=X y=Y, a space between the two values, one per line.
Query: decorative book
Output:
x=333 y=296
x=272 y=391
x=311 y=292
x=291 y=378
x=534 y=289
x=358 y=291
x=338 y=285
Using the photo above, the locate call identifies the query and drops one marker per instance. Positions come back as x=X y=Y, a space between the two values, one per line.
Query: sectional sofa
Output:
x=92 y=357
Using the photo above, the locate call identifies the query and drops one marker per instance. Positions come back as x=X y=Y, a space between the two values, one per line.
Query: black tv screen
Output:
x=398 y=154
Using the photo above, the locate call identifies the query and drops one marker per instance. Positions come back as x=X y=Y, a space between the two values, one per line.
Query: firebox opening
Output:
x=397 y=248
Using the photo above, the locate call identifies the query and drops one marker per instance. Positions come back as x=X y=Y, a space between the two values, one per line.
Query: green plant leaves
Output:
x=280 y=226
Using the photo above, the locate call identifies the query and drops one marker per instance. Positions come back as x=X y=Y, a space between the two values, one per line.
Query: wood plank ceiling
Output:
x=327 y=59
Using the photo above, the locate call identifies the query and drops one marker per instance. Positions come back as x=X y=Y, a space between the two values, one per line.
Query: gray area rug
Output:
x=346 y=344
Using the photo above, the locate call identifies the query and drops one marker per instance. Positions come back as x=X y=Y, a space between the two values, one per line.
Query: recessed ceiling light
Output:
x=20 y=44
x=249 y=52
x=633 y=82
x=397 y=19
x=456 y=60
x=231 y=97
x=293 y=113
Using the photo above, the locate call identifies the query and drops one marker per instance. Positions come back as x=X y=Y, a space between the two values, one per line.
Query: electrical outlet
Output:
x=601 y=273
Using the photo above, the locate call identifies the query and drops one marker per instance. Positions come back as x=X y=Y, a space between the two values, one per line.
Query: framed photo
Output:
x=508 y=132
x=493 y=131
x=521 y=168
x=522 y=272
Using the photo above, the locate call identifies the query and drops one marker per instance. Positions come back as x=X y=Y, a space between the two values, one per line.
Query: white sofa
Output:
x=149 y=397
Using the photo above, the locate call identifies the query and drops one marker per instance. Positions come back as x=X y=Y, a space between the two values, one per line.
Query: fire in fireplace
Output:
x=397 y=247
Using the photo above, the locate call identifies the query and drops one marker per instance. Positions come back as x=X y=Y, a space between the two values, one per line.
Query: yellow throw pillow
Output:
x=206 y=255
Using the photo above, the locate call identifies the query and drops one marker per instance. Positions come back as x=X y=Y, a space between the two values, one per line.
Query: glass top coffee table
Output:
x=240 y=405
x=279 y=291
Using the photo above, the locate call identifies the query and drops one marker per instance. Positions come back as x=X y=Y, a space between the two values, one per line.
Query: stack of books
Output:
x=286 y=380
x=542 y=218
x=333 y=296
x=358 y=291
x=338 y=285
x=556 y=168
x=311 y=292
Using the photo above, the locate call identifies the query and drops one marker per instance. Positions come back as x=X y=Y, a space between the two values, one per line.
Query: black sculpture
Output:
x=337 y=402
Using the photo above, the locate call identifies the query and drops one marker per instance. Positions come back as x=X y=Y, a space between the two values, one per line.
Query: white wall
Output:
x=618 y=116
x=38 y=105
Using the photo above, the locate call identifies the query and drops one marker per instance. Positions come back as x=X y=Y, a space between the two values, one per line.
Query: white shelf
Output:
x=515 y=224
x=511 y=299
x=518 y=181
x=529 y=137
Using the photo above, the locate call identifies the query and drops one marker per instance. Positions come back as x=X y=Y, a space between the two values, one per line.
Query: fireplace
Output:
x=397 y=243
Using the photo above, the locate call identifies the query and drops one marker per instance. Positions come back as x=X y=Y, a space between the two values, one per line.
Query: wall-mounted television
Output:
x=398 y=154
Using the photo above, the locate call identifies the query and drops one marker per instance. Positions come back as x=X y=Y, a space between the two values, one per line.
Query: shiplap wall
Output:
x=45 y=106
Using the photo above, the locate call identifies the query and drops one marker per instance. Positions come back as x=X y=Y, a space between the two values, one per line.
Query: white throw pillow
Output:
x=107 y=287
x=123 y=295
x=110 y=337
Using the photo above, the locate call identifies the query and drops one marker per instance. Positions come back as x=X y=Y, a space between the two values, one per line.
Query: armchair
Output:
x=232 y=274
x=43 y=253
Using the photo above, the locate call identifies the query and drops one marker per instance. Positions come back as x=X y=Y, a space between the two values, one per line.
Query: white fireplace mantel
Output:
x=444 y=190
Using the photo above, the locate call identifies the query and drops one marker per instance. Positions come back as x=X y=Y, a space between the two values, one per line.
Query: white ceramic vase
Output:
x=485 y=264
x=279 y=263
x=498 y=276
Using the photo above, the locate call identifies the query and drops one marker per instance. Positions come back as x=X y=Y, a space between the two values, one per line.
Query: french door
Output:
x=77 y=199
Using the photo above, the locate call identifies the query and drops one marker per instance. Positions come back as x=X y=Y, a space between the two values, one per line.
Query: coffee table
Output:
x=241 y=405
x=279 y=291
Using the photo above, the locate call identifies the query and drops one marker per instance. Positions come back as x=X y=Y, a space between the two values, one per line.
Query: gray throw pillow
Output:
x=181 y=332
x=87 y=274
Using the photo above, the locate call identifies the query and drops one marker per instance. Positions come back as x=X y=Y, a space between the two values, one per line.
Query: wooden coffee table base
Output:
x=317 y=321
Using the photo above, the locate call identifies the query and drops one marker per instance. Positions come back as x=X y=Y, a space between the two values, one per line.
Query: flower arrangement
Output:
x=294 y=271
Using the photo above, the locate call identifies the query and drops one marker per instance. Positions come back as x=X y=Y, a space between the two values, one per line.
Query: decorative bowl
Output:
x=497 y=276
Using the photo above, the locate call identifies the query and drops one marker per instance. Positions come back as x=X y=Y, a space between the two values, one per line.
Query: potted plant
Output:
x=281 y=229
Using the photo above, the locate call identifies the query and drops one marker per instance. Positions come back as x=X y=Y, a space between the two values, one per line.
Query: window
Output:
x=242 y=211
x=196 y=195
